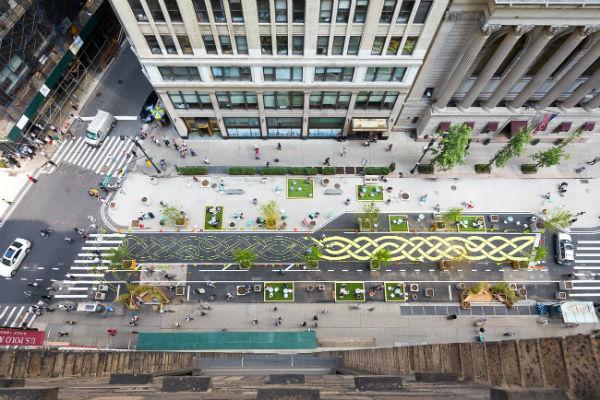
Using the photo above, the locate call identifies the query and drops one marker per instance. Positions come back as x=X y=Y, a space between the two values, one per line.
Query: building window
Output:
x=409 y=45
x=225 y=41
x=282 y=74
x=231 y=73
x=201 y=12
x=169 y=44
x=180 y=73
x=343 y=11
x=266 y=45
x=283 y=100
x=394 y=45
x=284 y=127
x=378 y=43
x=190 y=100
x=218 y=10
x=330 y=100
x=337 y=47
x=353 y=45
x=237 y=100
x=241 y=44
x=422 y=11
x=325 y=11
x=282 y=45
x=325 y=126
x=385 y=74
x=360 y=11
x=242 y=127
x=153 y=44
x=155 y=10
x=405 y=10
x=138 y=10
x=209 y=44
x=387 y=11
x=264 y=13
x=376 y=100
x=236 y=11
x=280 y=10
x=298 y=10
x=334 y=74
x=184 y=43
x=322 y=45
x=298 y=45
x=173 y=10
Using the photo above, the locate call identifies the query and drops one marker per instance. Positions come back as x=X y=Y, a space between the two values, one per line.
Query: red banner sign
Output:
x=21 y=337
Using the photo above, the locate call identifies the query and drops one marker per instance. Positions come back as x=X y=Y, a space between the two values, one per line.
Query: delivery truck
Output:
x=99 y=128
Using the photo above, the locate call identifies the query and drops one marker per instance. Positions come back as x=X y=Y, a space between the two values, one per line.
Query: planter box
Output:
x=528 y=168
x=483 y=168
x=425 y=169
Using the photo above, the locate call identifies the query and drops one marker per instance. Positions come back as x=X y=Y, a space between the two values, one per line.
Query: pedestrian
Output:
x=51 y=163
x=268 y=164
x=279 y=146
x=111 y=331
x=304 y=323
x=206 y=161
x=315 y=318
x=166 y=141
x=274 y=308
x=255 y=321
x=177 y=324
x=68 y=240
x=326 y=162
x=257 y=154
x=325 y=311
x=188 y=318
x=133 y=153
x=347 y=202
x=573 y=220
x=32 y=179
x=389 y=147
x=34 y=284
x=594 y=161
x=482 y=329
x=344 y=152
x=7 y=201
x=452 y=317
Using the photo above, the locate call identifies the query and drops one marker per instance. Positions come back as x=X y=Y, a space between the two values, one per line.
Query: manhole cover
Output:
x=99 y=94
x=120 y=81
x=453 y=187
x=67 y=189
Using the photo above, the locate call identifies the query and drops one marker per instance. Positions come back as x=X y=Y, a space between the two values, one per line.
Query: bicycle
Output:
x=354 y=307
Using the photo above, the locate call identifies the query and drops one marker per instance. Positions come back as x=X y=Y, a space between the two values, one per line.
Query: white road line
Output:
x=121 y=160
x=344 y=270
x=92 y=160
x=89 y=150
x=71 y=151
x=126 y=117
x=89 y=268
x=585 y=248
x=91 y=262
x=9 y=316
x=31 y=320
x=62 y=151
x=586 y=261
x=71 y=296
x=583 y=268
x=101 y=152
x=88 y=275
x=77 y=288
x=588 y=242
x=24 y=319
x=586 y=288
x=103 y=242
x=17 y=317
x=584 y=294
x=88 y=156
x=3 y=312
x=588 y=254
x=80 y=147
x=450 y=291
x=99 y=248
x=108 y=156
x=289 y=266
x=101 y=235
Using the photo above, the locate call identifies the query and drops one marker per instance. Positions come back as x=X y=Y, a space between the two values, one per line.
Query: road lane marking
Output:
x=19 y=313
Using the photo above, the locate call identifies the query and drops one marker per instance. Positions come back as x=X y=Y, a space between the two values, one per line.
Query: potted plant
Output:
x=244 y=257
x=311 y=259
x=379 y=259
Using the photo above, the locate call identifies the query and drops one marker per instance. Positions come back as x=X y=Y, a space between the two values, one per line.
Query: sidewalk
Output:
x=496 y=196
x=340 y=327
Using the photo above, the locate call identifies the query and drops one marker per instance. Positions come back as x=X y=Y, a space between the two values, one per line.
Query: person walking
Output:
x=7 y=201
x=32 y=179
x=326 y=162
x=111 y=331
x=279 y=146
x=389 y=147
x=594 y=161
x=344 y=152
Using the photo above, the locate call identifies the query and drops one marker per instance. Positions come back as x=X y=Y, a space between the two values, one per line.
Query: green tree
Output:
x=379 y=258
x=539 y=254
x=452 y=149
x=558 y=218
x=270 y=213
x=547 y=158
x=370 y=216
x=117 y=256
x=169 y=214
x=244 y=257
x=452 y=215
x=311 y=259
x=572 y=137
x=514 y=148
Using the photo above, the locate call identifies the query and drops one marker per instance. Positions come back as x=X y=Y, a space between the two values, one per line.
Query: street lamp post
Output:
x=139 y=146
x=429 y=146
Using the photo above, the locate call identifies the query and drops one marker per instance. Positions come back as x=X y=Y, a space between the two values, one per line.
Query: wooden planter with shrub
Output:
x=425 y=169
x=529 y=168
x=483 y=168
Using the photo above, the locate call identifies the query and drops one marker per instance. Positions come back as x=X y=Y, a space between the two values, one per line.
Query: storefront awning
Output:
x=369 y=124
x=565 y=126
x=516 y=126
x=589 y=126
x=491 y=127
x=579 y=312
x=443 y=126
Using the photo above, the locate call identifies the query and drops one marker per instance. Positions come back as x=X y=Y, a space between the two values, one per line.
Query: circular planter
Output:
x=337 y=186
x=325 y=181
x=205 y=182
x=404 y=196
x=413 y=296
x=389 y=189
x=214 y=185
x=145 y=200
x=232 y=224
x=310 y=288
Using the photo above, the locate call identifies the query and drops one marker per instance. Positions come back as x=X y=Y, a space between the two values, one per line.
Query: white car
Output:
x=565 y=251
x=13 y=257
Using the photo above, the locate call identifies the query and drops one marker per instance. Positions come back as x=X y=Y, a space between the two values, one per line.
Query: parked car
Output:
x=565 y=251
x=13 y=257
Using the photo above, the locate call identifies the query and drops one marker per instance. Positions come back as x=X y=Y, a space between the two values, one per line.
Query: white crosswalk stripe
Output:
x=107 y=159
x=587 y=265
x=88 y=269
x=15 y=316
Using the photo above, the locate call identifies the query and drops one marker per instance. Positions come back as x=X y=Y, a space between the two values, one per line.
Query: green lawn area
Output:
x=398 y=227
x=350 y=288
x=372 y=193
x=278 y=293
x=394 y=291
x=299 y=189
x=470 y=219
x=208 y=217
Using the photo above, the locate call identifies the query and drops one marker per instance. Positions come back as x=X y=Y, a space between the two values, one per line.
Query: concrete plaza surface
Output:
x=340 y=327
x=495 y=196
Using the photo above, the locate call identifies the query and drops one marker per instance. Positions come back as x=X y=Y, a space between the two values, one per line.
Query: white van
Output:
x=99 y=128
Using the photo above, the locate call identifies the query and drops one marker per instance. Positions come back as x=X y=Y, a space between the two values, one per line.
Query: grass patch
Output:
x=398 y=223
x=208 y=216
x=351 y=288
x=395 y=291
x=192 y=170
x=372 y=193
x=278 y=293
x=470 y=220
x=299 y=189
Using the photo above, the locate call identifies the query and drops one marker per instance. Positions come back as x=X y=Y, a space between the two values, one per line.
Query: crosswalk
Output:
x=107 y=159
x=587 y=269
x=15 y=316
x=90 y=265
